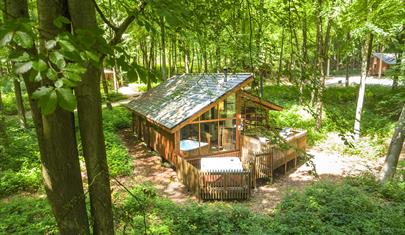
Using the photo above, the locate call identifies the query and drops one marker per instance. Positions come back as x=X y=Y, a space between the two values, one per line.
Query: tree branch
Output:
x=124 y=25
x=104 y=18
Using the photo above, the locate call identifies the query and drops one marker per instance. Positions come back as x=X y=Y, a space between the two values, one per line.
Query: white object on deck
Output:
x=213 y=164
x=187 y=145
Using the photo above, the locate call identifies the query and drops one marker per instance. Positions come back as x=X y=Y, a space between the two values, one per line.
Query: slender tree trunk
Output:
x=105 y=88
x=399 y=71
x=304 y=58
x=163 y=55
x=205 y=59
x=186 y=59
x=175 y=55
x=60 y=162
x=347 y=73
x=280 y=63
x=20 y=104
x=394 y=151
x=362 y=88
x=88 y=95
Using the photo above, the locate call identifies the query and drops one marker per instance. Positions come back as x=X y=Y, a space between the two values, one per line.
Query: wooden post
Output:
x=380 y=68
x=238 y=120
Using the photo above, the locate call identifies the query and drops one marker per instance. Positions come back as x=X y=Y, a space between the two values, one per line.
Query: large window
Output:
x=214 y=131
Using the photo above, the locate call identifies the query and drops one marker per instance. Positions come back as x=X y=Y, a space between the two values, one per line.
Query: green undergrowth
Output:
x=382 y=107
x=9 y=102
x=355 y=205
x=19 y=159
x=20 y=168
x=119 y=161
x=26 y=215
x=358 y=205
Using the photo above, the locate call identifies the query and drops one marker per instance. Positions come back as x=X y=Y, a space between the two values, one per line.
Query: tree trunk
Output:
x=186 y=59
x=362 y=88
x=163 y=55
x=347 y=72
x=20 y=104
x=83 y=17
x=105 y=89
x=304 y=59
x=281 y=57
x=323 y=56
x=394 y=151
x=60 y=162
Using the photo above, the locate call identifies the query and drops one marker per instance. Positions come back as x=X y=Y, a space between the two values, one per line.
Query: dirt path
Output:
x=149 y=167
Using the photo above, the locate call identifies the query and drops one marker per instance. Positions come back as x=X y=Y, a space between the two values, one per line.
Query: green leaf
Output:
x=75 y=68
x=50 y=44
x=23 y=39
x=48 y=103
x=66 y=45
x=66 y=99
x=38 y=77
x=57 y=58
x=42 y=91
x=51 y=74
x=39 y=65
x=59 y=83
x=60 y=21
x=6 y=39
x=92 y=56
x=24 y=67
x=74 y=77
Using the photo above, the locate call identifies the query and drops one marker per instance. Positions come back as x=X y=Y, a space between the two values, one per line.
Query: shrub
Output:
x=354 y=206
x=26 y=215
x=118 y=159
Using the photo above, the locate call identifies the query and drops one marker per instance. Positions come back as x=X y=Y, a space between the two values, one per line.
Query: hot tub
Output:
x=193 y=148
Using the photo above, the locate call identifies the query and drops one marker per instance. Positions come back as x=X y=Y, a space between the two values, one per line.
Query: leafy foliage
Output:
x=26 y=215
x=118 y=159
x=356 y=205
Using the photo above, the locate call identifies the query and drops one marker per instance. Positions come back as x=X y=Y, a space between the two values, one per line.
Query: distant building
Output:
x=380 y=62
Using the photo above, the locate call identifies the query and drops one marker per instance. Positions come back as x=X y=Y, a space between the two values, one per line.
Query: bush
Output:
x=19 y=159
x=118 y=159
x=26 y=215
x=115 y=119
x=354 y=206
x=166 y=217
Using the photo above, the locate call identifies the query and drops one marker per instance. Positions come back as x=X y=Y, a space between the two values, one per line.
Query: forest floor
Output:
x=149 y=167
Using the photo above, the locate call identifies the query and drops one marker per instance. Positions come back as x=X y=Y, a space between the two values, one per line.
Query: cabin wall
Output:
x=375 y=66
x=156 y=138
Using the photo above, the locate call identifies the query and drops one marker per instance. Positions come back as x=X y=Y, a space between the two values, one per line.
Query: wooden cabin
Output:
x=380 y=62
x=196 y=122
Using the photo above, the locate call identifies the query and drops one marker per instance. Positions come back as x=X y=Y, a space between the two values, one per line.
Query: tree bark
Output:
x=83 y=17
x=105 y=89
x=56 y=135
x=20 y=104
x=61 y=168
x=394 y=151
x=163 y=55
x=362 y=88
x=281 y=57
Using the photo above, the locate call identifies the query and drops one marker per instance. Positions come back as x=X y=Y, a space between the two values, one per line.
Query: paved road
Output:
x=337 y=81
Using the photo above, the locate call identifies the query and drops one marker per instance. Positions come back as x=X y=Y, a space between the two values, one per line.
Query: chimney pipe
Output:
x=226 y=74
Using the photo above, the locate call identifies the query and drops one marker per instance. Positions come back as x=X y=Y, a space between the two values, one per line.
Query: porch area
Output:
x=232 y=175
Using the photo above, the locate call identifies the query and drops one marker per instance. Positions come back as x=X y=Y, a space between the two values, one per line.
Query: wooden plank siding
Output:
x=156 y=138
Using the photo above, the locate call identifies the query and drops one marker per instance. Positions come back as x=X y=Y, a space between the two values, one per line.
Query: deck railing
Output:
x=217 y=185
x=236 y=184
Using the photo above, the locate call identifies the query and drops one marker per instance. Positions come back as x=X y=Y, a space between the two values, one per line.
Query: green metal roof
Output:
x=182 y=96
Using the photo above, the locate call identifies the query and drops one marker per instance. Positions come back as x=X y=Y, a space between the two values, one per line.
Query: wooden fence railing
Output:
x=225 y=185
x=218 y=185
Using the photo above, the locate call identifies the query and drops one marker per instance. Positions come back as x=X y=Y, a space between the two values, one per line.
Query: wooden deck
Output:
x=237 y=185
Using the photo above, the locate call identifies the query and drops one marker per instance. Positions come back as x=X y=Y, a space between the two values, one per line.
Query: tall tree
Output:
x=55 y=131
x=83 y=16
x=394 y=150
